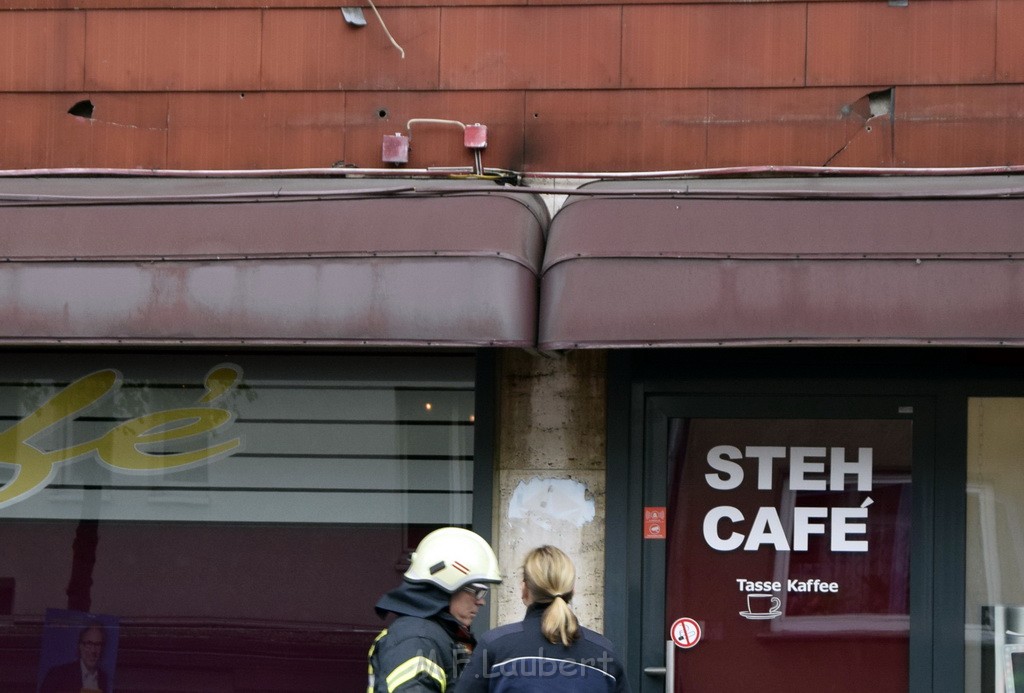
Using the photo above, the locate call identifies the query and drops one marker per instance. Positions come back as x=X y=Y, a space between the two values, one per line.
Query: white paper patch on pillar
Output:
x=562 y=512
x=550 y=502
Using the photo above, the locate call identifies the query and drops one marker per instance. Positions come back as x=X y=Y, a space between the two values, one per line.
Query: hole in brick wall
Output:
x=872 y=104
x=880 y=102
x=382 y=113
x=82 y=109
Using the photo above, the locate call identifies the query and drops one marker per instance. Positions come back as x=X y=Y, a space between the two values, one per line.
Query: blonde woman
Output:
x=548 y=650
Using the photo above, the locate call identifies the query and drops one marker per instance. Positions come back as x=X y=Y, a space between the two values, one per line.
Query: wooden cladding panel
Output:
x=42 y=51
x=742 y=45
x=714 y=45
x=371 y=115
x=530 y=48
x=967 y=103
x=126 y=131
x=922 y=43
x=263 y=130
x=1009 y=30
x=796 y=127
x=587 y=86
x=120 y=5
x=333 y=4
x=677 y=129
x=615 y=130
x=532 y=131
x=317 y=49
x=964 y=126
x=171 y=50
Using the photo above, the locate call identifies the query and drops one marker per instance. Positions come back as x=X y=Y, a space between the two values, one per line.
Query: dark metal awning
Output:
x=267 y=261
x=882 y=261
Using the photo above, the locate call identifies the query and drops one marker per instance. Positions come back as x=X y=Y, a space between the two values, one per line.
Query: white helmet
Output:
x=452 y=557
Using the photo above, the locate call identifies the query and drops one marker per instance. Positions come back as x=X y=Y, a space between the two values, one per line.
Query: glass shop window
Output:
x=994 y=633
x=211 y=523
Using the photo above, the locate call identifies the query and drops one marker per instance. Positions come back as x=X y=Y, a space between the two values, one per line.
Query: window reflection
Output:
x=994 y=611
x=253 y=570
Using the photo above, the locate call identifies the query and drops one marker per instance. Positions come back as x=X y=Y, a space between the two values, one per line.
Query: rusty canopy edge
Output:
x=363 y=269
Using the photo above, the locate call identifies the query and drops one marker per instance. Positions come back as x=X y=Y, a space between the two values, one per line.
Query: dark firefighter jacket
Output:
x=424 y=649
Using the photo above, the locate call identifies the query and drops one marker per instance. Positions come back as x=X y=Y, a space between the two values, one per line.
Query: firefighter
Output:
x=427 y=645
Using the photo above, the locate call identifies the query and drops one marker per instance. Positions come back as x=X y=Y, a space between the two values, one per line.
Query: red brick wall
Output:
x=562 y=86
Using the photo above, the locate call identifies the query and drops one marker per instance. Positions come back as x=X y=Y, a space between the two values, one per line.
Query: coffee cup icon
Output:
x=762 y=606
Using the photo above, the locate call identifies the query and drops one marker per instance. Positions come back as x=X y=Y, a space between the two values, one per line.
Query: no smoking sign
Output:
x=685 y=632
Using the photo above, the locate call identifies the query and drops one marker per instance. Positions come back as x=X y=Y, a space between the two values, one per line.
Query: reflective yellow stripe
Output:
x=369 y=659
x=410 y=669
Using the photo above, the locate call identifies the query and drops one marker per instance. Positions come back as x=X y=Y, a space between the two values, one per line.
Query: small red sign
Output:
x=685 y=632
x=654 y=522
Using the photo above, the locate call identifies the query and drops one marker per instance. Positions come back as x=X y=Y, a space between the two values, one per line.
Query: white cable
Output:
x=436 y=121
x=385 y=27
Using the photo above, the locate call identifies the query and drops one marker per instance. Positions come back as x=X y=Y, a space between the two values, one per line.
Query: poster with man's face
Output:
x=79 y=652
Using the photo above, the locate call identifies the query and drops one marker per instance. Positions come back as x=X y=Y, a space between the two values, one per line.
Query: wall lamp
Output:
x=395 y=149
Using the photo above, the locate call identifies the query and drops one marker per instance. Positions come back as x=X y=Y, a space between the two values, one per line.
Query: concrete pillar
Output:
x=550 y=473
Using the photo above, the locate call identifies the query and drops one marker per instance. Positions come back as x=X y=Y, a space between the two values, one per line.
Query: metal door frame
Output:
x=938 y=381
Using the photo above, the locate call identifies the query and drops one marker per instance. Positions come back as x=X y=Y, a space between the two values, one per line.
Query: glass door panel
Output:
x=788 y=554
x=994 y=613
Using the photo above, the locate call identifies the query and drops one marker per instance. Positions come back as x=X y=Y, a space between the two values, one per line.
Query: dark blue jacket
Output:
x=67 y=678
x=423 y=650
x=517 y=658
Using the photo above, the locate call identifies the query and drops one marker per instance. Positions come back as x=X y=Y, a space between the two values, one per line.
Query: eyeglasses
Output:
x=477 y=591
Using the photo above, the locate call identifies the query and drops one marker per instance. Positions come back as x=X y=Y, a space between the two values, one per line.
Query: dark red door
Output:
x=787 y=555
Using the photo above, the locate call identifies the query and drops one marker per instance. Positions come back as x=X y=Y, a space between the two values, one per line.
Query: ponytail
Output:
x=550 y=578
x=559 y=623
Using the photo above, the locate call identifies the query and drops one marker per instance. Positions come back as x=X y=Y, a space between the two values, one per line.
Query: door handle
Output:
x=669 y=670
